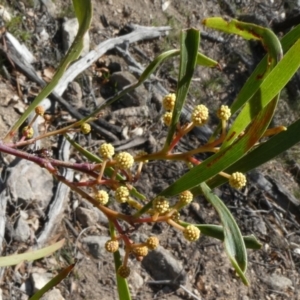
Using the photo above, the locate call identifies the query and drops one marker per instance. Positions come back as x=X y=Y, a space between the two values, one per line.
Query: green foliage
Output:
x=235 y=150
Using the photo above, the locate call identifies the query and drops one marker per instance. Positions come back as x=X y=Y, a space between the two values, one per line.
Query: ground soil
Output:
x=209 y=272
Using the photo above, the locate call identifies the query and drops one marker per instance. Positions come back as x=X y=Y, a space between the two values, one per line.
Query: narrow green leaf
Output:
x=255 y=80
x=233 y=240
x=189 y=43
x=271 y=86
x=12 y=260
x=83 y=10
x=203 y=60
x=157 y=62
x=53 y=282
x=270 y=43
x=250 y=31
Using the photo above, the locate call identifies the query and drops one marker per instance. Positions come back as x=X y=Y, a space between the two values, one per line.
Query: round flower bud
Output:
x=85 y=128
x=237 y=180
x=186 y=197
x=28 y=132
x=169 y=101
x=160 y=205
x=124 y=160
x=112 y=246
x=122 y=194
x=167 y=118
x=152 y=242
x=191 y=233
x=140 y=251
x=224 y=112
x=107 y=151
x=123 y=271
x=200 y=115
x=40 y=110
x=102 y=197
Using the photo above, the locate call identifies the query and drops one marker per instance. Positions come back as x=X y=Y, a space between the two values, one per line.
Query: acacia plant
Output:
x=236 y=146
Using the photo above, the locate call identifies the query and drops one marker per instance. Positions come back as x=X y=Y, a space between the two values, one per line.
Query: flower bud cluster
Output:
x=224 y=113
x=152 y=242
x=122 y=194
x=140 y=251
x=124 y=160
x=112 y=246
x=160 y=205
x=191 y=233
x=167 y=118
x=123 y=271
x=185 y=198
x=106 y=151
x=102 y=197
x=85 y=128
x=237 y=180
x=169 y=102
x=200 y=115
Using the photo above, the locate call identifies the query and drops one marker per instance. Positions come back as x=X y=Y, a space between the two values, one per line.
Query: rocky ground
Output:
x=267 y=208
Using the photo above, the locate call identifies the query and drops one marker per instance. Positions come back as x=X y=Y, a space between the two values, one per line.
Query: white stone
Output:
x=44 y=35
x=39 y=280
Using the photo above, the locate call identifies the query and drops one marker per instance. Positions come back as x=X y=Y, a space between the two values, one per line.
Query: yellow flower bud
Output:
x=160 y=205
x=112 y=246
x=200 y=115
x=152 y=242
x=107 y=151
x=140 y=251
x=85 y=128
x=186 y=197
x=191 y=233
x=169 y=102
x=237 y=180
x=122 y=194
x=123 y=271
x=167 y=118
x=224 y=113
x=124 y=160
x=102 y=197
